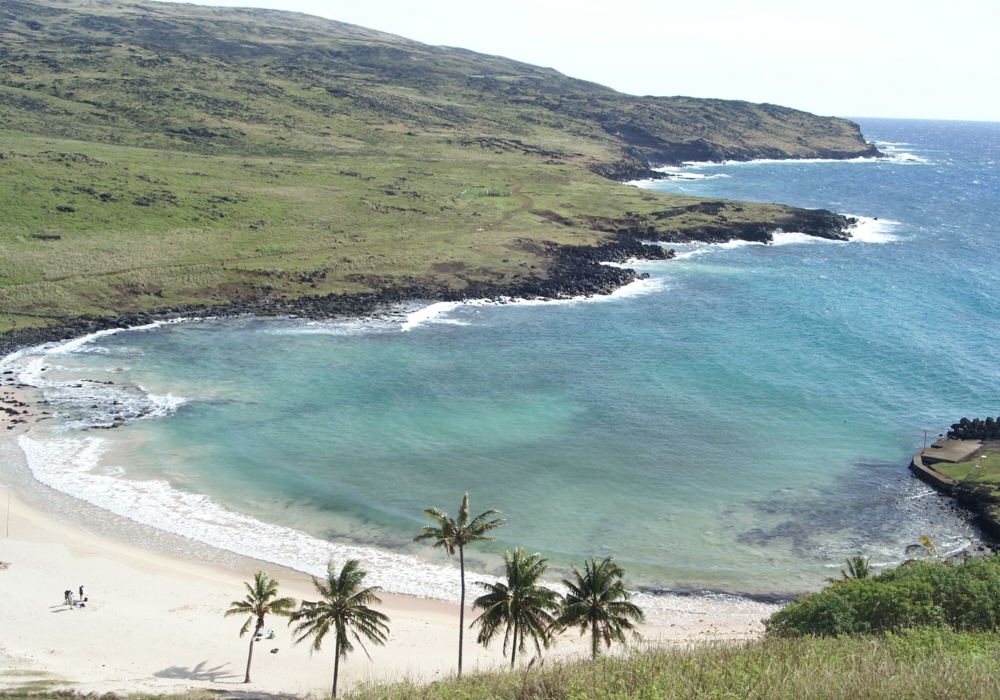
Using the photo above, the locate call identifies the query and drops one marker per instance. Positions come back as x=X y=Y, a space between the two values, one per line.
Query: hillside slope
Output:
x=240 y=79
x=167 y=158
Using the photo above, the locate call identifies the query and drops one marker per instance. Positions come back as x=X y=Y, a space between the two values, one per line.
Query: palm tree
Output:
x=450 y=535
x=924 y=549
x=343 y=609
x=597 y=601
x=257 y=604
x=520 y=606
x=857 y=568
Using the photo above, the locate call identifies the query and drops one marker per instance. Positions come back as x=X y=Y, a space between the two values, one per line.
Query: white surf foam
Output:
x=85 y=403
x=867 y=230
x=72 y=465
x=27 y=363
x=872 y=230
x=430 y=314
x=435 y=313
x=343 y=327
x=688 y=170
x=764 y=161
x=674 y=173
x=793 y=237
x=896 y=154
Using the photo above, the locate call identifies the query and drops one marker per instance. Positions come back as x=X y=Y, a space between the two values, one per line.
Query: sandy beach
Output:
x=154 y=623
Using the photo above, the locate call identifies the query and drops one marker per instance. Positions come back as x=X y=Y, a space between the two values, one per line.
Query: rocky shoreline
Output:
x=573 y=271
x=644 y=164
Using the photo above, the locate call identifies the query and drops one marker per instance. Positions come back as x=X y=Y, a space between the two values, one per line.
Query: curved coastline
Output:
x=574 y=271
x=579 y=272
x=144 y=602
x=582 y=272
x=120 y=524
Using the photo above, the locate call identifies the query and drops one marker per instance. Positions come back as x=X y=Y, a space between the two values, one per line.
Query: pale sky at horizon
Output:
x=874 y=58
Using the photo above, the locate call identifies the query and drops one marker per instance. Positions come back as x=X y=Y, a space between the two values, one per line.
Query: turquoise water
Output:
x=742 y=421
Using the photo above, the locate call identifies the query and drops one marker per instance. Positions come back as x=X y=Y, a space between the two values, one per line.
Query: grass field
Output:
x=986 y=470
x=100 y=229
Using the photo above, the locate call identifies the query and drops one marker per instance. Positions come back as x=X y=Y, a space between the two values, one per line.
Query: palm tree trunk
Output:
x=513 y=652
x=594 y=640
x=256 y=631
x=249 y=659
x=336 y=664
x=461 y=609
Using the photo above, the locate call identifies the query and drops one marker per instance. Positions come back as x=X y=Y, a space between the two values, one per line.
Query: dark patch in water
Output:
x=769 y=598
x=877 y=504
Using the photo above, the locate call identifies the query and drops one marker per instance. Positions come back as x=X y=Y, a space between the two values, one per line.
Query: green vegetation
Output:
x=962 y=597
x=923 y=630
x=342 y=609
x=985 y=470
x=260 y=602
x=926 y=664
x=520 y=606
x=915 y=665
x=272 y=83
x=451 y=534
x=166 y=156
x=977 y=482
x=598 y=603
x=857 y=567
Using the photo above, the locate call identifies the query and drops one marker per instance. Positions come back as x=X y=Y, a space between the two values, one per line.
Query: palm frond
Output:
x=260 y=601
x=598 y=600
x=342 y=608
x=520 y=606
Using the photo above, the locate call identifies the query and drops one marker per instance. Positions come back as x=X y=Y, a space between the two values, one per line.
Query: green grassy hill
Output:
x=160 y=156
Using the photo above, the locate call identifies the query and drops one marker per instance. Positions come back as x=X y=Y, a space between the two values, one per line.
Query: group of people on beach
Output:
x=81 y=603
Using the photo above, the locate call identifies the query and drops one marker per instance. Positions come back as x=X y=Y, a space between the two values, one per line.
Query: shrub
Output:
x=963 y=597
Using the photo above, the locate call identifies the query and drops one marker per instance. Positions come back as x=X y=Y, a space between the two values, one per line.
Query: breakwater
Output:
x=976 y=429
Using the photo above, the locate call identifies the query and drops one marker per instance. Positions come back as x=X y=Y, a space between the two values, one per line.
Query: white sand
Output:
x=155 y=623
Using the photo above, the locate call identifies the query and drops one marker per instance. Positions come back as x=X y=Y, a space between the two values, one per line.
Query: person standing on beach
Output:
x=83 y=594
x=68 y=597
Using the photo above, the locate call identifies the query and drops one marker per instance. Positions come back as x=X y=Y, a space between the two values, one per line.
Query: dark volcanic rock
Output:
x=573 y=271
x=626 y=170
x=976 y=429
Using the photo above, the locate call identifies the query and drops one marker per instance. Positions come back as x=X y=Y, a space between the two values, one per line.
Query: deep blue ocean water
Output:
x=741 y=421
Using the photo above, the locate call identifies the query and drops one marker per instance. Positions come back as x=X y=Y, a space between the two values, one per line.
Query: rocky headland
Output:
x=572 y=271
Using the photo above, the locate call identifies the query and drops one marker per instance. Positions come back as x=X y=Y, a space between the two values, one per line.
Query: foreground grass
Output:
x=930 y=664
x=916 y=664
x=986 y=471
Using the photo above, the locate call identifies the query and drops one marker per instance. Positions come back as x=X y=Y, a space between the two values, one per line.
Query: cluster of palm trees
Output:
x=517 y=606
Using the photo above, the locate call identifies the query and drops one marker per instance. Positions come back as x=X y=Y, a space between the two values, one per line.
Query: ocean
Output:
x=741 y=421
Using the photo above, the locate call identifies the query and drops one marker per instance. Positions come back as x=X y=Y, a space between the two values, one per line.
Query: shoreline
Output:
x=573 y=272
x=411 y=321
x=194 y=582
x=154 y=622
x=302 y=551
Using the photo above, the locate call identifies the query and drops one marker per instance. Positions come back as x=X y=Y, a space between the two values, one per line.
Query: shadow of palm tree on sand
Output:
x=198 y=673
